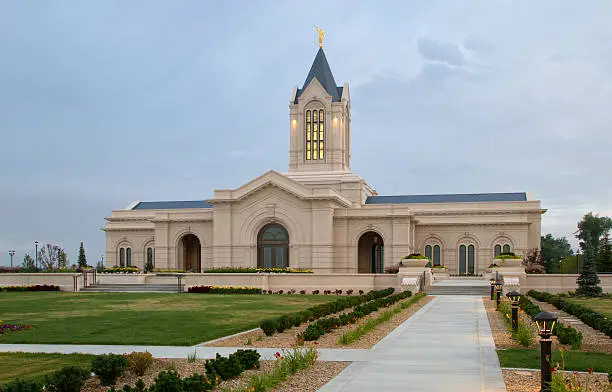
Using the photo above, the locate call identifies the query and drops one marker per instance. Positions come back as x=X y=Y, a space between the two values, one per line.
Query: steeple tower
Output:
x=320 y=121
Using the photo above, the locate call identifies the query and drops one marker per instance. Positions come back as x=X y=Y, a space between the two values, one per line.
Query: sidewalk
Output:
x=446 y=346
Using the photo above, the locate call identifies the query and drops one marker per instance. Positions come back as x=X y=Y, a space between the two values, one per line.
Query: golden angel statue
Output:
x=321 y=34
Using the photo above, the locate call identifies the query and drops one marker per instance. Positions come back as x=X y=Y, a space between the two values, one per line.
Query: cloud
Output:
x=476 y=44
x=445 y=53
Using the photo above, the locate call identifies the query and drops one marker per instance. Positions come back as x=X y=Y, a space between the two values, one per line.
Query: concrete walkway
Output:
x=446 y=346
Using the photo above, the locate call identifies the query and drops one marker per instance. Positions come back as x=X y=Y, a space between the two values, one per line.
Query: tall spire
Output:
x=322 y=72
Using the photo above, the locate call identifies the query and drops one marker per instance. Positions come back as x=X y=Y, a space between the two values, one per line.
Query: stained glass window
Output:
x=315 y=132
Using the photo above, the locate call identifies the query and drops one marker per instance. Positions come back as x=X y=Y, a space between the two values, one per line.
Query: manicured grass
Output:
x=140 y=318
x=574 y=360
x=27 y=366
x=601 y=305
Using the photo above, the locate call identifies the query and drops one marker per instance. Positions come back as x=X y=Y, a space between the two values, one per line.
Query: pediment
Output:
x=315 y=90
x=285 y=184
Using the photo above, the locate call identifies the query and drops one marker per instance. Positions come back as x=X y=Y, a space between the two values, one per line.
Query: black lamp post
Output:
x=498 y=291
x=11 y=253
x=514 y=296
x=36 y=256
x=492 y=283
x=546 y=324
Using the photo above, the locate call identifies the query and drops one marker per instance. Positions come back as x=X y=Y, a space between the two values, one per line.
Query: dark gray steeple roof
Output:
x=448 y=198
x=320 y=70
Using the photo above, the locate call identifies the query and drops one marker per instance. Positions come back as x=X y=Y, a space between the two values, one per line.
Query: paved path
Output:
x=446 y=346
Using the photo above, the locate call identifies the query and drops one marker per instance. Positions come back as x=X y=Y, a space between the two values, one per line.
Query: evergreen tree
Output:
x=588 y=281
x=62 y=261
x=82 y=259
x=28 y=264
x=604 y=257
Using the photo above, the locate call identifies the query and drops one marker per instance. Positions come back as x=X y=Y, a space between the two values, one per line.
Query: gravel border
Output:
x=288 y=338
x=529 y=380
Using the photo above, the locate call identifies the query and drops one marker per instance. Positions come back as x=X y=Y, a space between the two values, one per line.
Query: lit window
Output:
x=315 y=134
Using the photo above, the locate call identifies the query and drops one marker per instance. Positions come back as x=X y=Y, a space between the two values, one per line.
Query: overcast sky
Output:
x=107 y=102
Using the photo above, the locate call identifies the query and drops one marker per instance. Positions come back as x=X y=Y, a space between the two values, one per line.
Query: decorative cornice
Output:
x=472 y=212
x=128 y=229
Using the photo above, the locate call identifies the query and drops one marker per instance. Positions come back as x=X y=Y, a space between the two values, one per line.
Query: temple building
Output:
x=319 y=215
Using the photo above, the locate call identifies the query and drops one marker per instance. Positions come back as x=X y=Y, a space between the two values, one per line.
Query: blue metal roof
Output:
x=448 y=198
x=171 y=205
x=320 y=69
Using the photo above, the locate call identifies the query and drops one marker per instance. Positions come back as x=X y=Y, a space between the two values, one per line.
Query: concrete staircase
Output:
x=133 y=288
x=458 y=290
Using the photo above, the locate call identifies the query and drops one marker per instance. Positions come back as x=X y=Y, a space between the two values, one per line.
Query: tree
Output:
x=82 y=259
x=62 y=261
x=604 y=256
x=591 y=229
x=588 y=281
x=49 y=256
x=28 y=264
x=554 y=250
x=534 y=262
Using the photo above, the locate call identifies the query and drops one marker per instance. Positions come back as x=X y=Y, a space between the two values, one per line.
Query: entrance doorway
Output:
x=191 y=253
x=273 y=247
x=466 y=260
x=370 y=254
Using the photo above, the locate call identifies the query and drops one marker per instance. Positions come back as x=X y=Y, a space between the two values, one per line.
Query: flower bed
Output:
x=224 y=290
x=588 y=316
x=34 y=287
x=323 y=326
x=565 y=333
x=286 y=321
x=250 y=270
x=9 y=270
x=6 y=328
x=121 y=270
x=415 y=256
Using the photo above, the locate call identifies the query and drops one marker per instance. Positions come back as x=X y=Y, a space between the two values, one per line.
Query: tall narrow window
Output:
x=436 y=255
x=497 y=250
x=428 y=252
x=128 y=257
x=150 y=257
x=471 y=259
x=122 y=257
x=462 y=260
x=507 y=248
x=315 y=134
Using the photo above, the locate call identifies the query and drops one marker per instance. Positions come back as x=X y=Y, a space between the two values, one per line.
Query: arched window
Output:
x=273 y=247
x=436 y=255
x=467 y=260
x=315 y=134
x=428 y=252
x=497 y=250
x=128 y=257
x=507 y=248
x=122 y=257
x=150 y=258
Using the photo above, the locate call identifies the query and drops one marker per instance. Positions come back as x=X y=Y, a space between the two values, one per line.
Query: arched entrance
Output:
x=191 y=253
x=370 y=253
x=273 y=247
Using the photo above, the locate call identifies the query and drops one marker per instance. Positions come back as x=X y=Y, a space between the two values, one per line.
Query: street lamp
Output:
x=578 y=261
x=546 y=324
x=36 y=256
x=492 y=283
x=11 y=253
x=498 y=291
x=514 y=296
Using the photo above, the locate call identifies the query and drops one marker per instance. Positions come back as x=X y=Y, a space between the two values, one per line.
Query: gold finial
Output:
x=321 y=34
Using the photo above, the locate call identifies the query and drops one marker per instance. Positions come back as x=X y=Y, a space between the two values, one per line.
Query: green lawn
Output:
x=140 y=318
x=27 y=366
x=574 y=360
x=602 y=305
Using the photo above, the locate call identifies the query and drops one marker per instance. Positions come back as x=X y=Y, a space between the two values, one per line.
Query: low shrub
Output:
x=225 y=367
x=251 y=270
x=197 y=383
x=20 y=385
x=34 y=287
x=349 y=292
x=121 y=270
x=67 y=379
x=524 y=335
x=302 y=292
x=138 y=363
x=315 y=292
x=287 y=363
x=108 y=367
x=284 y=322
x=565 y=333
x=224 y=290
x=10 y=270
x=167 y=381
x=249 y=359
x=269 y=326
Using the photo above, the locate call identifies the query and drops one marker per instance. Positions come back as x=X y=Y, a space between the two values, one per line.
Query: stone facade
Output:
x=333 y=221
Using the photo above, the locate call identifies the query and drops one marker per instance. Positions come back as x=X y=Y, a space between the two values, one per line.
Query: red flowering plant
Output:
x=6 y=328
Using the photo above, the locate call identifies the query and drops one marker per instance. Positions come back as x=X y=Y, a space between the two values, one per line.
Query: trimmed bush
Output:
x=20 y=385
x=138 y=363
x=226 y=368
x=167 y=381
x=108 y=367
x=269 y=326
x=249 y=359
x=197 y=383
x=34 y=287
x=224 y=290
x=67 y=379
x=251 y=270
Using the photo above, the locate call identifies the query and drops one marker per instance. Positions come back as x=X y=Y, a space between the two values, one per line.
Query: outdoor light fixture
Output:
x=492 y=283
x=36 y=256
x=498 y=291
x=546 y=324
x=11 y=253
x=515 y=297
